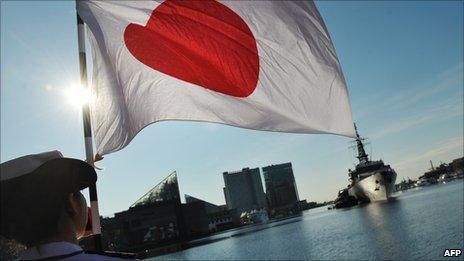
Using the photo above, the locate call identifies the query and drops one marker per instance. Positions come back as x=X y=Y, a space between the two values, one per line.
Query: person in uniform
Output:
x=42 y=206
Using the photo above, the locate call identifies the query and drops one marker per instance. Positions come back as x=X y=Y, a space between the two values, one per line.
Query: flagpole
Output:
x=96 y=228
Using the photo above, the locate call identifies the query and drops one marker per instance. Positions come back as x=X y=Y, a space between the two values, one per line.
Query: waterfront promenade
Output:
x=418 y=224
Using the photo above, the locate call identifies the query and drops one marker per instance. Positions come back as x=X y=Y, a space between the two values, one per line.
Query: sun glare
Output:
x=78 y=96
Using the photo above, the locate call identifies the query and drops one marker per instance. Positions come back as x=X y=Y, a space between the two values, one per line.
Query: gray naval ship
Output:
x=371 y=180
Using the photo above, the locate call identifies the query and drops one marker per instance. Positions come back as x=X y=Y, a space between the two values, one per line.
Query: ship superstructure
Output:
x=370 y=180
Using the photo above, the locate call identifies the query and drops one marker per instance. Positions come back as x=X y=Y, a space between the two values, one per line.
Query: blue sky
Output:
x=403 y=62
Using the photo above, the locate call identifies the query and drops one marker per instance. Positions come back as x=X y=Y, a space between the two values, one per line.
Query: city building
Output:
x=157 y=219
x=281 y=190
x=209 y=207
x=244 y=190
x=224 y=219
x=218 y=217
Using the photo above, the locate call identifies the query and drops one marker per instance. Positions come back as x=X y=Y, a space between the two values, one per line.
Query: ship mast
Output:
x=362 y=155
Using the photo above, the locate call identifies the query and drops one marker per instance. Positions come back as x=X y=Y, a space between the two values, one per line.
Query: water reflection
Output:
x=385 y=224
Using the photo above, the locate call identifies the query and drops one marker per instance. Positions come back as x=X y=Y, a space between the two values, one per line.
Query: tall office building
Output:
x=244 y=190
x=281 y=189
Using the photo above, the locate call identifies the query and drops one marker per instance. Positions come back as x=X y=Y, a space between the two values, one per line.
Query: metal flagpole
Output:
x=96 y=229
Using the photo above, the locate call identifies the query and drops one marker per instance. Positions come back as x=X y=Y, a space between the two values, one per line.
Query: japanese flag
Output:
x=262 y=65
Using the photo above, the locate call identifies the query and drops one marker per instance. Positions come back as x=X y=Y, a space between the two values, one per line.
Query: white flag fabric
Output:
x=262 y=65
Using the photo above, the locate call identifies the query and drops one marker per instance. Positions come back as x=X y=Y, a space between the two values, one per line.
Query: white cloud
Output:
x=452 y=107
x=49 y=88
x=442 y=82
x=401 y=100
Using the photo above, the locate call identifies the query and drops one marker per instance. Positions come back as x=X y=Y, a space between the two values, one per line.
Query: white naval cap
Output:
x=23 y=165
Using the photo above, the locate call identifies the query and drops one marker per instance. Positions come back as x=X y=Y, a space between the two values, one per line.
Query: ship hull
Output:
x=377 y=187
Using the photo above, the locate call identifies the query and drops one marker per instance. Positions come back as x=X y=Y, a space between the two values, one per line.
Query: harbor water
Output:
x=417 y=224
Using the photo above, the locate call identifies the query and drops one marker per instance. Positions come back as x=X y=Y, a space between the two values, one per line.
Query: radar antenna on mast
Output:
x=362 y=155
